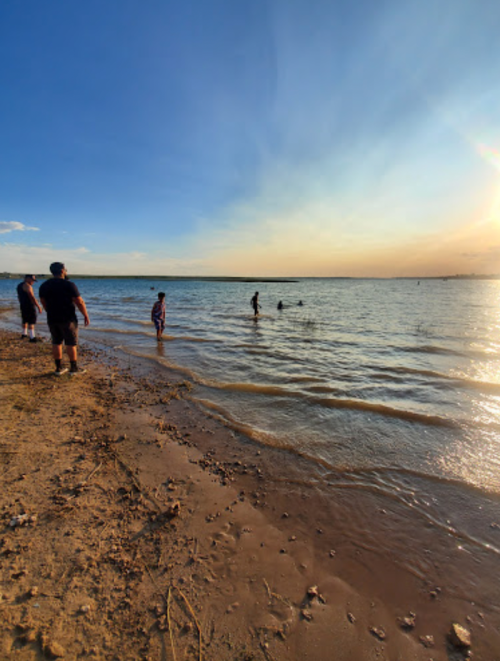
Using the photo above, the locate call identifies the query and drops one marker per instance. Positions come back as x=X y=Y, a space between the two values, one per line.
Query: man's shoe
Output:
x=33 y=339
x=60 y=371
x=76 y=372
x=23 y=337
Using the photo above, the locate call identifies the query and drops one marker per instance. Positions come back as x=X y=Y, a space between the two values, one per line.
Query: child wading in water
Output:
x=158 y=315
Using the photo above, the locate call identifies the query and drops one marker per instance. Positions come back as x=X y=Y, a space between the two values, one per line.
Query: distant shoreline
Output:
x=76 y=276
x=207 y=278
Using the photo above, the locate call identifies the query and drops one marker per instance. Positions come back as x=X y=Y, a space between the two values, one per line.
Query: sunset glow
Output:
x=269 y=138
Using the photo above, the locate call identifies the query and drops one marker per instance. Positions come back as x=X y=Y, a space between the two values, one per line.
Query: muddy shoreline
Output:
x=160 y=529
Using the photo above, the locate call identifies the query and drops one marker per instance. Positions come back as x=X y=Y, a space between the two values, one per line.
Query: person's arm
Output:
x=44 y=303
x=80 y=304
x=29 y=290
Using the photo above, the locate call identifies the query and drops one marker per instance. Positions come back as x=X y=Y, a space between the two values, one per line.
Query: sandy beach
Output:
x=136 y=527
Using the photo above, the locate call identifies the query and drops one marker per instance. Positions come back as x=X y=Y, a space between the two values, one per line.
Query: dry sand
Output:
x=135 y=527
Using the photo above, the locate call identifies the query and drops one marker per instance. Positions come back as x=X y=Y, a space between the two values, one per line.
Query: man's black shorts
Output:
x=65 y=331
x=28 y=315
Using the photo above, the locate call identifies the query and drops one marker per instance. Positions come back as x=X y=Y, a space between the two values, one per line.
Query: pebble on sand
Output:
x=378 y=632
x=459 y=636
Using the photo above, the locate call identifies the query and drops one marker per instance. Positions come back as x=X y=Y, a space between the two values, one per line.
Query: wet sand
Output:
x=136 y=527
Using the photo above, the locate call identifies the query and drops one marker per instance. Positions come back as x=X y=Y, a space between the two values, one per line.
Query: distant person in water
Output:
x=254 y=302
x=158 y=314
x=300 y=303
x=29 y=305
x=280 y=305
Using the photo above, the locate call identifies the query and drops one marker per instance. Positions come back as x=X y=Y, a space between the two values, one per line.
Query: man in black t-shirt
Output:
x=59 y=297
x=29 y=306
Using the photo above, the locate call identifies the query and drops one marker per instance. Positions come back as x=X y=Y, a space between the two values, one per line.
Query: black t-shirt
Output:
x=58 y=295
x=24 y=300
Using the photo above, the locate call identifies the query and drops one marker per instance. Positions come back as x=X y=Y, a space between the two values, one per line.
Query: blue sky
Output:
x=265 y=138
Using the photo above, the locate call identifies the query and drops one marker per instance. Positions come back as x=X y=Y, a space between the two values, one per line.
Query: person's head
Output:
x=30 y=279
x=58 y=269
x=256 y=293
x=161 y=296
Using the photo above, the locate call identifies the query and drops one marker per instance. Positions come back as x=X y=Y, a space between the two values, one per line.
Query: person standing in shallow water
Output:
x=254 y=302
x=29 y=306
x=59 y=297
x=158 y=314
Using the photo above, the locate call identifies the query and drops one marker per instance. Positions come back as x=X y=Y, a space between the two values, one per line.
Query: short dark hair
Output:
x=56 y=268
x=161 y=294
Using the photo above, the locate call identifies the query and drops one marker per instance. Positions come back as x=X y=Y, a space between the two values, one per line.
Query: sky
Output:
x=264 y=138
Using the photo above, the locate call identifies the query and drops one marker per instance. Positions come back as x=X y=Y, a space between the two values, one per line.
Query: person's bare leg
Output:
x=73 y=357
x=57 y=353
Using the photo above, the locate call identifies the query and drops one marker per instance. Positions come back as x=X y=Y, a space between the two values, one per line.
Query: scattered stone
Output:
x=19 y=520
x=293 y=538
x=170 y=513
x=407 y=623
x=33 y=592
x=29 y=637
x=84 y=609
x=459 y=636
x=435 y=593
x=332 y=553
x=306 y=614
x=313 y=592
x=54 y=650
x=285 y=515
x=427 y=641
x=378 y=632
x=351 y=618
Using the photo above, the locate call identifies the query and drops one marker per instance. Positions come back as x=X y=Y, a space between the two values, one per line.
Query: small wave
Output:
x=304 y=379
x=430 y=348
x=166 y=338
x=475 y=384
x=452 y=379
x=120 y=331
x=410 y=370
x=323 y=390
x=338 y=403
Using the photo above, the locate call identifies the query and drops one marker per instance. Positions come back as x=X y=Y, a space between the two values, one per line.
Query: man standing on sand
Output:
x=29 y=306
x=59 y=297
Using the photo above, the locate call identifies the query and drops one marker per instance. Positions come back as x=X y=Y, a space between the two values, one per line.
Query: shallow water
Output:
x=382 y=384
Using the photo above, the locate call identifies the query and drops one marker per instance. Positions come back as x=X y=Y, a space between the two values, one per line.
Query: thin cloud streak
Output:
x=7 y=226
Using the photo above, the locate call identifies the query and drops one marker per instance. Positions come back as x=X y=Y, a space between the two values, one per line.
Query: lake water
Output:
x=386 y=382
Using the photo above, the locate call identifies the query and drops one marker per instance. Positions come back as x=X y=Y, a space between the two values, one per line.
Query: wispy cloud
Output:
x=20 y=258
x=14 y=226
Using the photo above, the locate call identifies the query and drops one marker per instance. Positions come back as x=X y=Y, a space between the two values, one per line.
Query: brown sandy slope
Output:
x=146 y=532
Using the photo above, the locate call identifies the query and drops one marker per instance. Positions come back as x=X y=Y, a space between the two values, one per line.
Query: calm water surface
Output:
x=385 y=382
